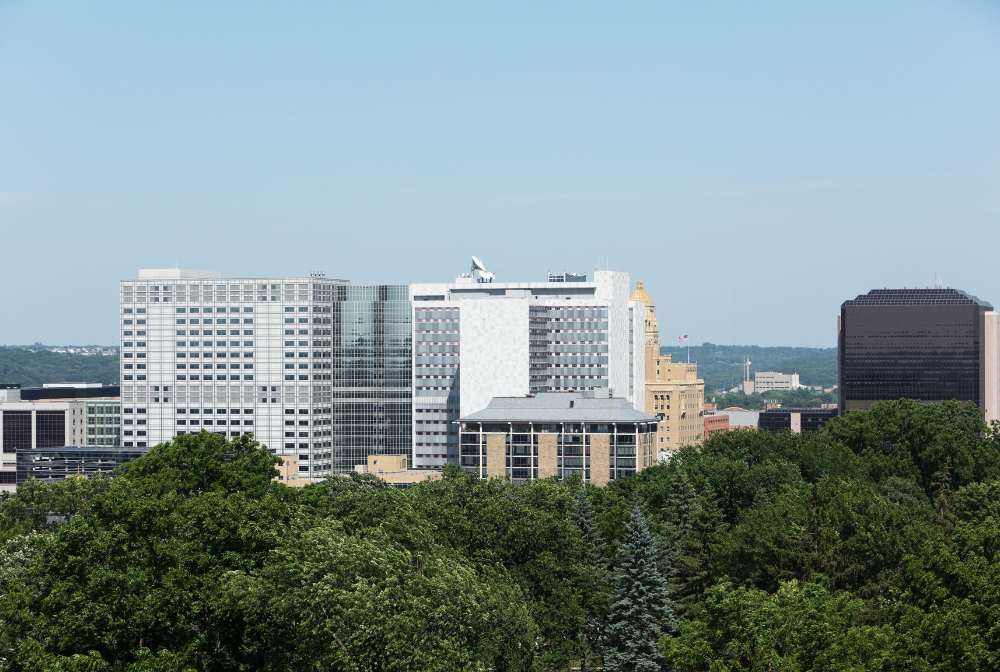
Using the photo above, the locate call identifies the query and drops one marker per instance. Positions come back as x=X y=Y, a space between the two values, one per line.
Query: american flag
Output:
x=682 y=339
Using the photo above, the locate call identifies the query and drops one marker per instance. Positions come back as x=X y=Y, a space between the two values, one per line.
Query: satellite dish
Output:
x=479 y=271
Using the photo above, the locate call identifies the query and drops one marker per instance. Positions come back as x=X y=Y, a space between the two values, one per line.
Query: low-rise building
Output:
x=558 y=434
x=39 y=421
x=773 y=381
x=393 y=469
x=741 y=418
x=396 y=471
x=56 y=464
x=795 y=420
x=716 y=422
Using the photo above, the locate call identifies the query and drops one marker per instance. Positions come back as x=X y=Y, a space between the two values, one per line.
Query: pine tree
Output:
x=641 y=610
x=692 y=522
x=583 y=517
x=595 y=593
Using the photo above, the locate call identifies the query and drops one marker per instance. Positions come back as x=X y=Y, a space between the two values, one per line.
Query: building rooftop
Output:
x=182 y=274
x=177 y=274
x=785 y=411
x=931 y=296
x=69 y=391
x=559 y=407
x=83 y=449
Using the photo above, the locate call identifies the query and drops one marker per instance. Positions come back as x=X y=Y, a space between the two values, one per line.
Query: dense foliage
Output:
x=722 y=365
x=32 y=367
x=873 y=544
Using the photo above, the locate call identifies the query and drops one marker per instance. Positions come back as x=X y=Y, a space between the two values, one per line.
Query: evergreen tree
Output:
x=684 y=559
x=679 y=511
x=641 y=610
x=583 y=517
x=595 y=593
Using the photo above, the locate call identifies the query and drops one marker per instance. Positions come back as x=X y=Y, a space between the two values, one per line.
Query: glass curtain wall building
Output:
x=371 y=373
x=926 y=344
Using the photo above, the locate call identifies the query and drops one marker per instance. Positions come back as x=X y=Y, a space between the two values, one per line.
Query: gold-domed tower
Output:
x=673 y=391
x=652 y=324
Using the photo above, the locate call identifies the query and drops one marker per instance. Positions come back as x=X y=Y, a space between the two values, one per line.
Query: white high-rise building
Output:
x=230 y=356
x=476 y=339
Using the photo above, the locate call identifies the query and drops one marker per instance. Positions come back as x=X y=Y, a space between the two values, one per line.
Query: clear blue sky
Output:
x=754 y=163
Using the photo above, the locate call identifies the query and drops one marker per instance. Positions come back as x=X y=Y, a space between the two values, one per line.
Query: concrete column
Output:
x=795 y=421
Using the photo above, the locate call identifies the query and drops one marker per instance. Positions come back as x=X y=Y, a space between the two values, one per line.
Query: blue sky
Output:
x=754 y=163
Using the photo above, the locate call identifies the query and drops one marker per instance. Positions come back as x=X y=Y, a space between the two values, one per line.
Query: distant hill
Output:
x=722 y=365
x=36 y=365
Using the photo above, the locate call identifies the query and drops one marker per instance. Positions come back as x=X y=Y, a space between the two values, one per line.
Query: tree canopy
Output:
x=873 y=544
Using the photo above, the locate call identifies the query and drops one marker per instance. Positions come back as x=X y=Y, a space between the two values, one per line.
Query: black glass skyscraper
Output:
x=925 y=344
x=371 y=373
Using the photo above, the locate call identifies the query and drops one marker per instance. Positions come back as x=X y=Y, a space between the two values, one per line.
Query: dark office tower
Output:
x=371 y=373
x=924 y=344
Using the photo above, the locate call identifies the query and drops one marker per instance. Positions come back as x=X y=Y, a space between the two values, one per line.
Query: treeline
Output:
x=30 y=367
x=873 y=544
x=721 y=366
x=801 y=398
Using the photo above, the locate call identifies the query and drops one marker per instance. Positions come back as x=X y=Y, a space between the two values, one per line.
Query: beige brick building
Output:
x=558 y=434
x=674 y=393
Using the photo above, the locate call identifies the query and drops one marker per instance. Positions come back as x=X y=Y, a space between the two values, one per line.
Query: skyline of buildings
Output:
x=331 y=375
x=332 y=372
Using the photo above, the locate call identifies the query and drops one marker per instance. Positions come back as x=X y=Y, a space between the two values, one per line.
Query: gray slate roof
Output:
x=559 y=407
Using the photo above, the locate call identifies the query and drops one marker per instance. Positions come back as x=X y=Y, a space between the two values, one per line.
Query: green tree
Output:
x=528 y=529
x=801 y=627
x=641 y=611
x=197 y=463
x=329 y=599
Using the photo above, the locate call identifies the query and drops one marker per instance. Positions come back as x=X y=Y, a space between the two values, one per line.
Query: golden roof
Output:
x=640 y=294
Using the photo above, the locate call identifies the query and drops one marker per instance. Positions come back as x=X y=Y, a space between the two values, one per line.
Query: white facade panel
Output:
x=991 y=366
x=493 y=351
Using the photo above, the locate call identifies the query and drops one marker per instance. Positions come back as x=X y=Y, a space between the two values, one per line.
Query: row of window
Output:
x=208 y=309
x=208 y=332
x=218 y=320
x=210 y=365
